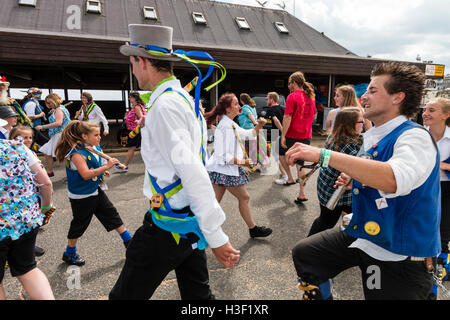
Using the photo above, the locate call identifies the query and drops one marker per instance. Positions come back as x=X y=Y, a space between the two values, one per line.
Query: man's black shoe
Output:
x=74 y=260
x=260 y=232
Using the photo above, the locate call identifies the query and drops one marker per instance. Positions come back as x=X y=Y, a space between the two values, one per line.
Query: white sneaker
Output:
x=282 y=180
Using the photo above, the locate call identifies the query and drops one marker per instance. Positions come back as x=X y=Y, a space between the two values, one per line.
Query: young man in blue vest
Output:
x=393 y=235
x=184 y=216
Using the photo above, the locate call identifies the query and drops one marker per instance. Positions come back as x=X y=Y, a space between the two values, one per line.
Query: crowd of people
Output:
x=383 y=172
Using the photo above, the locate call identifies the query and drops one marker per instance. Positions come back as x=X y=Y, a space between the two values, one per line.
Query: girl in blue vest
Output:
x=59 y=118
x=85 y=171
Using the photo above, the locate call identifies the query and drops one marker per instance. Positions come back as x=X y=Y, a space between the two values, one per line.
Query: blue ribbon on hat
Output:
x=188 y=57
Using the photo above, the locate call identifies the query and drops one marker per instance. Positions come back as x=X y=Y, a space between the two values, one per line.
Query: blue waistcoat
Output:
x=75 y=183
x=37 y=110
x=409 y=225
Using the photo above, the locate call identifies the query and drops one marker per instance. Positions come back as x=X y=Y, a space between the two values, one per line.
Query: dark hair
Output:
x=159 y=65
x=405 y=78
x=220 y=109
x=344 y=128
x=70 y=135
x=88 y=96
x=137 y=97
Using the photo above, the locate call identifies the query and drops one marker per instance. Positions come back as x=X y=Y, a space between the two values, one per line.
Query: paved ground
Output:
x=265 y=271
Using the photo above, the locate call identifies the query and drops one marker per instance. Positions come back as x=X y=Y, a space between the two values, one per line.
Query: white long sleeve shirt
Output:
x=412 y=162
x=226 y=147
x=170 y=148
x=97 y=116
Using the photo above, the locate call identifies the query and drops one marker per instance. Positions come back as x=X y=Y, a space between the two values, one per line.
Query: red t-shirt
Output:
x=302 y=109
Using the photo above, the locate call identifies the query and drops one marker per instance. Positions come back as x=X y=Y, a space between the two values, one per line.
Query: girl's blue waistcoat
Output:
x=75 y=183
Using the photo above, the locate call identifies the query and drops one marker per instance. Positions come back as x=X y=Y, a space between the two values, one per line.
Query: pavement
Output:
x=265 y=270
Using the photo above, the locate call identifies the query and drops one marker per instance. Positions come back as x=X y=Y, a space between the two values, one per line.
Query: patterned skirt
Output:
x=229 y=181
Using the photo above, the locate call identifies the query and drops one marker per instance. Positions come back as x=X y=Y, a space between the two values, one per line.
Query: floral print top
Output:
x=19 y=206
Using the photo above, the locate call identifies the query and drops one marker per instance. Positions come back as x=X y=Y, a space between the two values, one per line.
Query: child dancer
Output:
x=26 y=133
x=345 y=138
x=225 y=165
x=85 y=171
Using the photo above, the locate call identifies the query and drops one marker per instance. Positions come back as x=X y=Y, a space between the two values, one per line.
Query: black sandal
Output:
x=299 y=201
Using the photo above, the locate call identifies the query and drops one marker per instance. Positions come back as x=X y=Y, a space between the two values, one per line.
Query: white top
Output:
x=97 y=116
x=170 y=148
x=412 y=162
x=444 y=149
x=5 y=132
x=226 y=147
x=30 y=108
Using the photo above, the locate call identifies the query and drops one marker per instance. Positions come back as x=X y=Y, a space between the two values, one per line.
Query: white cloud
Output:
x=390 y=29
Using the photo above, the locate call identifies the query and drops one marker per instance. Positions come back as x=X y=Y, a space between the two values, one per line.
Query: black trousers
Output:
x=84 y=209
x=445 y=215
x=328 y=218
x=324 y=255
x=151 y=255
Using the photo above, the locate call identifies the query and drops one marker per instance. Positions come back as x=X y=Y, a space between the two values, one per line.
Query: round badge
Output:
x=89 y=158
x=375 y=154
x=372 y=228
x=356 y=191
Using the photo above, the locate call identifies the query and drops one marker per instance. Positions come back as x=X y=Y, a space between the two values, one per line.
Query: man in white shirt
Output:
x=393 y=235
x=172 y=137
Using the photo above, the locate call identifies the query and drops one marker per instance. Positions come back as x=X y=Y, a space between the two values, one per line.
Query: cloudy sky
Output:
x=390 y=29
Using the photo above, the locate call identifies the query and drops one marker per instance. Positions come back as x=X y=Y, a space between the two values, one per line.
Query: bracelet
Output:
x=326 y=154
x=43 y=127
x=46 y=208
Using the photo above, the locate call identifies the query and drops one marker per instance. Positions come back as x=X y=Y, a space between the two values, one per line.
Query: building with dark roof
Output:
x=75 y=44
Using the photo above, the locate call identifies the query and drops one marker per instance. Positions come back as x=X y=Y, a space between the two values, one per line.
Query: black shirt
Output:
x=275 y=111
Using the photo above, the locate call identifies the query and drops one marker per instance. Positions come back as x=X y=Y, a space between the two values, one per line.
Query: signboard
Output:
x=434 y=70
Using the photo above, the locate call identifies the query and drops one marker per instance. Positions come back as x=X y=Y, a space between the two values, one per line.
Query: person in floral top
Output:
x=22 y=180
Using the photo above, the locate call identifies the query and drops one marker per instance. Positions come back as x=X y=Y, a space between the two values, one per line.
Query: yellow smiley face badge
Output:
x=372 y=228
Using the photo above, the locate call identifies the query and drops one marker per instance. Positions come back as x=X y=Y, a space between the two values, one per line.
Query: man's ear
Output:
x=399 y=97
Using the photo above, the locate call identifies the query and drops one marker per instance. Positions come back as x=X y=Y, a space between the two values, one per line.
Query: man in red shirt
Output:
x=297 y=124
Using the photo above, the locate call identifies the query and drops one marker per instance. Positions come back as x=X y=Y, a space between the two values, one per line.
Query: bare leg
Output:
x=302 y=194
x=36 y=285
x=49 y=163
x=219 y=191
x=286 y=168
x=121 y=229
x=2 y=292
x=72 y=242
x=130 y=155
x=244 y=204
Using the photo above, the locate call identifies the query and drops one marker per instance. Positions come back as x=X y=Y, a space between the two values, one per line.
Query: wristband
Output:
x=46 y=208
x=43 y=127
x=326 y=158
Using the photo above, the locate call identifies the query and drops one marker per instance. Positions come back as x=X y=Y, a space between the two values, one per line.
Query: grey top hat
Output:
x=7 y=112
x=142 y=35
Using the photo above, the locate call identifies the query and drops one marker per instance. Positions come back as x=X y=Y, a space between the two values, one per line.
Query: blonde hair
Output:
x=55 y=98
x=274 y=96
x=17 y=130
x=349 y=94
x=445 y=107
x=71 y=134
